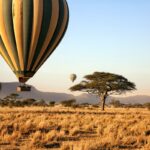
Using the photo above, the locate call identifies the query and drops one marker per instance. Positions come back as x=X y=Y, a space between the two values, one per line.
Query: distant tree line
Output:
x=13 y=100
x=117 y=104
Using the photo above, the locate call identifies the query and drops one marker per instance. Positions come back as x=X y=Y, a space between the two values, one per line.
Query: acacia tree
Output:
x=12 y=96
x=104 y=84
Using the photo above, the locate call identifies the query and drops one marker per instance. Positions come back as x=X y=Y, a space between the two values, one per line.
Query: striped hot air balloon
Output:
x=30 y=31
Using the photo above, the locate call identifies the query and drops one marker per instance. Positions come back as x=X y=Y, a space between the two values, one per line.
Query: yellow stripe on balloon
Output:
x=18 y=28
x=37 y=22
x=6 y=59
x=5 y=38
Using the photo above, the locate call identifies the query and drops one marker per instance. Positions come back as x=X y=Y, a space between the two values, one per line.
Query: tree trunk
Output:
x=103 y=104
x=102 y=100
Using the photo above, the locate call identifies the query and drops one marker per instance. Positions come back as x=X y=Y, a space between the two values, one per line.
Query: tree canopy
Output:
x=104 y=84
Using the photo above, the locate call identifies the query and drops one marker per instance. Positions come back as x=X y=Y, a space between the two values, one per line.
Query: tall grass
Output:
x=78 y=129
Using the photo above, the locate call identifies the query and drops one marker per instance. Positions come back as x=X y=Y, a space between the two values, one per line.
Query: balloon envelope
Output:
x=30 y=31
x=73 y=77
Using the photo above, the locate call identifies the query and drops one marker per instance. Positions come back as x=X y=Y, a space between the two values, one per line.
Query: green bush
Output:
x=52 y=103
x=68 y=103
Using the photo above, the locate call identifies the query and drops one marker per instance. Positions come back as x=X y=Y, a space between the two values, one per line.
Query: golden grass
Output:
x=59 y=128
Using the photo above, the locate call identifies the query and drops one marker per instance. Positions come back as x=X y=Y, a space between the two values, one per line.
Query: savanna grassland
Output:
x=60 y=128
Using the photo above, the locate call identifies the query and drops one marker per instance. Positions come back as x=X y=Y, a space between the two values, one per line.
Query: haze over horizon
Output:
x=110 y=36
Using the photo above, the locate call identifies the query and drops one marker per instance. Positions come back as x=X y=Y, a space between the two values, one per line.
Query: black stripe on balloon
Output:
x=27 y=28
x=47 y=12
x=58 y=28
x=8 y=19
x=3 y=48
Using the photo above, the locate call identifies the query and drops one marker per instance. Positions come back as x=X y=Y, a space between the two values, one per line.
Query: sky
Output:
x=103 y=35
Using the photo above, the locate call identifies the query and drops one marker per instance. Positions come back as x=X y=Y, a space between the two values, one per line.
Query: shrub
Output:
x=52 y=103
x=40 y=103
x=147 y=105
x=115 y=103
x=68 y=103
x=28 y=102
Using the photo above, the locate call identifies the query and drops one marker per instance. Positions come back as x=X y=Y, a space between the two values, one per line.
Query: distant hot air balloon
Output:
x=30 y=31
x=73 y=77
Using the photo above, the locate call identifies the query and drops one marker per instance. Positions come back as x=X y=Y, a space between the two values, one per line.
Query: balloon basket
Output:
x=23 y=88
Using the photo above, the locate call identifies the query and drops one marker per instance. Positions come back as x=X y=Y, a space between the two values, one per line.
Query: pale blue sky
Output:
x=103 y=35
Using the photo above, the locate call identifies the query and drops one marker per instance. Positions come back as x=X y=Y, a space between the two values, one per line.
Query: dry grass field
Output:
x=59 y=128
